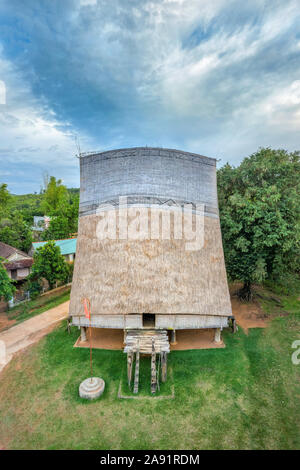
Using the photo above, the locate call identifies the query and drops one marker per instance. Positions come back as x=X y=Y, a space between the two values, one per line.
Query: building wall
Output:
x=170 y=322
x=23 y=272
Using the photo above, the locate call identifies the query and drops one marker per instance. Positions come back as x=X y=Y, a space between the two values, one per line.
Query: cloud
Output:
x=31 y=136
x=219 y=78
x=2 y=92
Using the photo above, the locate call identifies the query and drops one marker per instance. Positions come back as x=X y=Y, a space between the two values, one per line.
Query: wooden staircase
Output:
x=148 y=341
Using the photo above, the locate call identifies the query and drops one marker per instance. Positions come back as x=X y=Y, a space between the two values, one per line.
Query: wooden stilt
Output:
x=163 y=366
x=137 y=371
x=129 y=366
x=153 y=369
x=83 y=337
x=173 y=337
x=217 y=335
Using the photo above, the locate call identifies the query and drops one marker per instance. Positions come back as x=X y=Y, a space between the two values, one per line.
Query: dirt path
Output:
x=20 y=336
x=249 y=315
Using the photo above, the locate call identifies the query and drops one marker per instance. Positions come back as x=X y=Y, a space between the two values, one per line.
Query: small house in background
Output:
x=40 y=223
x=67 y=248
x=16 y=262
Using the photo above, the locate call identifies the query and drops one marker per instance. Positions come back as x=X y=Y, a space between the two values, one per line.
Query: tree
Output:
x=65 y=224
x=58 y=229
x=55 y=196
x=259 y=205
x=5 y=199
x=48 y=263
x=7 y=288
x=16 y=232
x=28 y=205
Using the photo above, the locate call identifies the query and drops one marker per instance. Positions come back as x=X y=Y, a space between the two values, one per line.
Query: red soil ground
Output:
x=5 y=322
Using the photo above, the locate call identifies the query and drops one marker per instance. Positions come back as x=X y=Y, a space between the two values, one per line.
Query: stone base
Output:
x=91 y=388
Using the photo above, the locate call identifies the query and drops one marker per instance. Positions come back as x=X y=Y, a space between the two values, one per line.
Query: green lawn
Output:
x=29 y=309
x=245 y=396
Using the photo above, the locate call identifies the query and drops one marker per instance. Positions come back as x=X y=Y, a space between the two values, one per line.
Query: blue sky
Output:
x=220 y=78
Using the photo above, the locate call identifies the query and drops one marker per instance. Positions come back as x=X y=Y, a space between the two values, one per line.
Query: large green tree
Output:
x=16 y=232
x=7 y=288
x=55 y=196
x=49 y=264
x=5 y=198
x=65 y=224
x=259 y=205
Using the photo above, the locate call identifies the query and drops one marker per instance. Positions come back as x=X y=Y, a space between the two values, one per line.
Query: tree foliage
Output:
x=7 y=288
x=16 y=232
x=65 y=224
x=55 y=196
x=259 y=205
x=49 y=264
x=5 y=199
x=28 y=205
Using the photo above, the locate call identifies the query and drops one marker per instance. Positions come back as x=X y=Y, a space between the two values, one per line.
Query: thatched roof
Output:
x=150 y=276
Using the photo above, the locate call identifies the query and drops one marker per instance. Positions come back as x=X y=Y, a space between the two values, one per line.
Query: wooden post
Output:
x=130 y=355
x=163 y=366
x=83 y=334
x=218 y=335
x=137 y=371
x=153 y=369
x=173 y=337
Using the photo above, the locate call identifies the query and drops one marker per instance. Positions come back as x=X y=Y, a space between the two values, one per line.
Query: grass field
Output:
x=245 y=396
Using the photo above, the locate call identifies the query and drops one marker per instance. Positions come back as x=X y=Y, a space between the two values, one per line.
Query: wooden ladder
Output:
x=150 y=342
x=137 y=371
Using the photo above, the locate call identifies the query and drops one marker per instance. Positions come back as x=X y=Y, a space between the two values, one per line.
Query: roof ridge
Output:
x=15 y=249
x=167 y=149
x=56 y=240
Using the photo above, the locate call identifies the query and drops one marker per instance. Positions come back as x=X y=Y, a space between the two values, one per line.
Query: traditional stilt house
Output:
x=149 y=252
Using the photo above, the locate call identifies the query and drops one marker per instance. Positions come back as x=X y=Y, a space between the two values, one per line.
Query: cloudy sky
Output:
x=219 y=77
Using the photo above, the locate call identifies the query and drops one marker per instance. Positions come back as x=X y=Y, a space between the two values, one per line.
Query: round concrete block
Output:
x=91 y=388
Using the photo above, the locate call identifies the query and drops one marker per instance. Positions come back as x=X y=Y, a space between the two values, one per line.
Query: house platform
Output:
x=107 y=338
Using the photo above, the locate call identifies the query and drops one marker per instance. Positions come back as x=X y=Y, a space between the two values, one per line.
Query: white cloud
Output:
x=183 y=74
x=88 y=2
x=282 y=108
x=2 y=92
x=30 y=132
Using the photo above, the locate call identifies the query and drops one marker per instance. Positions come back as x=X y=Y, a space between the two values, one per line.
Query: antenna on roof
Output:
x=78 y=155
